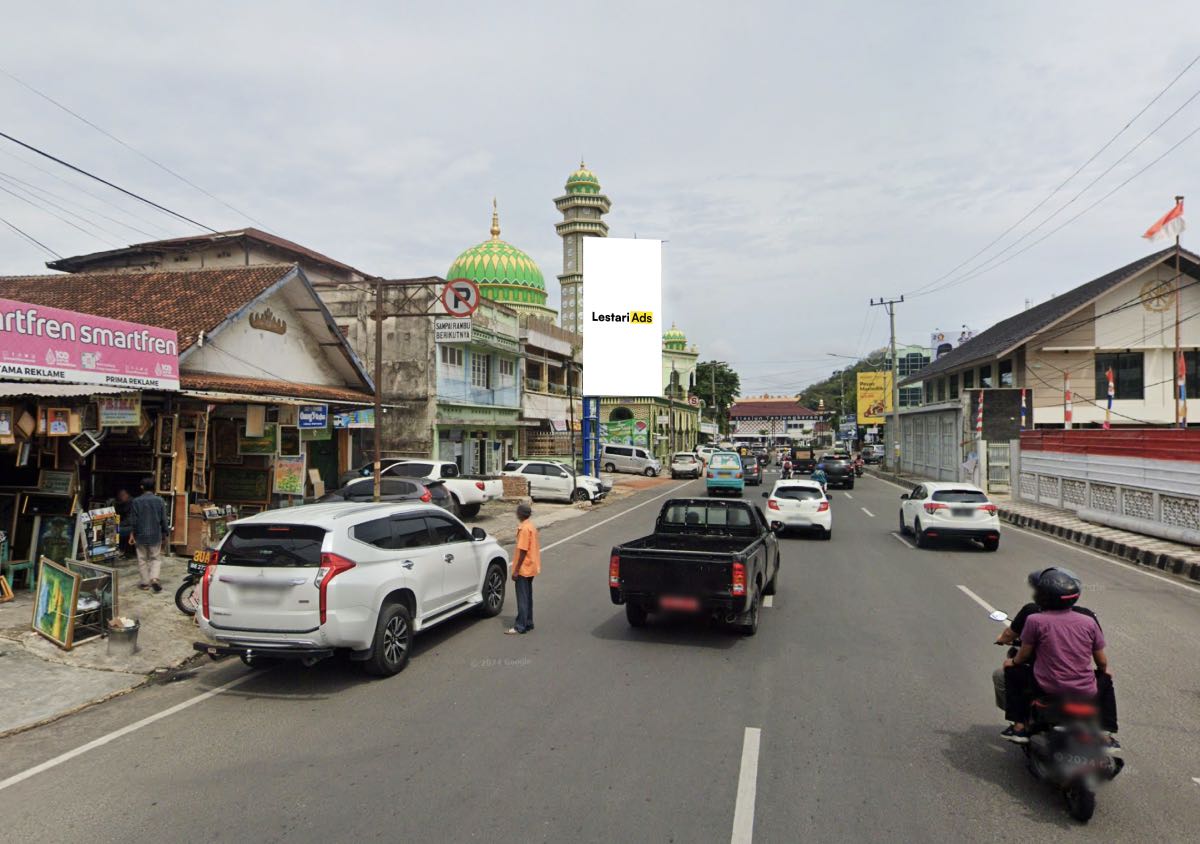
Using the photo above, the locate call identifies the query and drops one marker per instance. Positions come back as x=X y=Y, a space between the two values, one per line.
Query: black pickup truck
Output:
x=705 y=557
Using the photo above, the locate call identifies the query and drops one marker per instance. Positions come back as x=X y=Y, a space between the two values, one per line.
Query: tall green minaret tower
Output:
x=583 y=207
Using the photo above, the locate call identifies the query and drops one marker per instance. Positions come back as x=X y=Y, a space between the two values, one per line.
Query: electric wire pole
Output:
x=894 y=427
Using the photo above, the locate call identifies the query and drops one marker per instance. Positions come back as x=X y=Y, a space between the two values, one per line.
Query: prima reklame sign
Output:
x=622 y=304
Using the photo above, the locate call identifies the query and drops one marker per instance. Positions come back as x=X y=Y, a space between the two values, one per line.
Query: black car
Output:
x=839 y=470
x=394 y=489
x=367 y=470
x=751 y=471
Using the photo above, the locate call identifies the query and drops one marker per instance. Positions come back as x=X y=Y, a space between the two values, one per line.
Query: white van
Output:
x=628 y=458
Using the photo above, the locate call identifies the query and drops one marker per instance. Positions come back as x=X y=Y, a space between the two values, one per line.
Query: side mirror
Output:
x=766 y=495
x=478 y=534
x=904 y=496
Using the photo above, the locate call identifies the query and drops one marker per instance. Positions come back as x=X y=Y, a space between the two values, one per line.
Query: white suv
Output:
x=799 y=505
x=302 y=582
x=548 y=479
x=949 y=511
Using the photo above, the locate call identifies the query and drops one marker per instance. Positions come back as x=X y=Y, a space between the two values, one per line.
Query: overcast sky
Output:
x=799 y=157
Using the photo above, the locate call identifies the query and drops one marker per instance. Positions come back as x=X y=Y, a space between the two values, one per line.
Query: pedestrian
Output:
x=124 y=522
x=527 y=566
x=150 y=533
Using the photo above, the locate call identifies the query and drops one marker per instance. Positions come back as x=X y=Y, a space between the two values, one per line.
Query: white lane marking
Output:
x=579 y=533
x=976 y=598
x=868 y=512
x=116 y=734
x=901 y=540
x=769 y=601
x=1124 y=565
x=848 y=495
x=743 y=810
x=1196 y=780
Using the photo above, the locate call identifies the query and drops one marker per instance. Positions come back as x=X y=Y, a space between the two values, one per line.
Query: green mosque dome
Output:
x=503 y=272
x=674 y=339
x=583 y=180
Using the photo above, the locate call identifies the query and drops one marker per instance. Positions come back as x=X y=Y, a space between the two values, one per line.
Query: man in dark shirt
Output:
x=149 y=517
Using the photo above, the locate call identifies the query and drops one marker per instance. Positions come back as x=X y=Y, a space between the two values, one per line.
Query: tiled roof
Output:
x=1020 y=327
x=81 y=262
x=769 y=407
x=211 y=382
x=187 y=301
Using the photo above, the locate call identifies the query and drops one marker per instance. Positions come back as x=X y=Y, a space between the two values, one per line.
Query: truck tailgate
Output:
x=676 y=573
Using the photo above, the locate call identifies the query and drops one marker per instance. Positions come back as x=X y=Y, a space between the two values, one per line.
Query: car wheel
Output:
x=650 y=473
x=773 y=583
x=468 y=511
x=827 y=534
x=751 y=625
x=580 y=494
x=494 y=585
x=922 y=542
x=393 y=641
x=991 y=544
x=636 y=615
x=610 y=468
x=455 y=505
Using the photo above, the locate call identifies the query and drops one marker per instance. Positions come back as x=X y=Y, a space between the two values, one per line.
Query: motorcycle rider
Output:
x=819 y=476
x=787 y=468
x=1066 y=641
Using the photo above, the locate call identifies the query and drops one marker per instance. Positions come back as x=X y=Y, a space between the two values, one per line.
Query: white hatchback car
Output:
x=302 y=582
x=942 y=510
x=550 y=480
x=799 y=505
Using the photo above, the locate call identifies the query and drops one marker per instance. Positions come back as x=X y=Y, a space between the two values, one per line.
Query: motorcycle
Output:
x=1066 y=748
x=187 y=596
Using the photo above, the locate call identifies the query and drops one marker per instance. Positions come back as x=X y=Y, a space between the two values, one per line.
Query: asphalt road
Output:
x=866 y=692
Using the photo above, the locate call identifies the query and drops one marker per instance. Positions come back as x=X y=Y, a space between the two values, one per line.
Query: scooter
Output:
x=187 y=596
x=1066 y=748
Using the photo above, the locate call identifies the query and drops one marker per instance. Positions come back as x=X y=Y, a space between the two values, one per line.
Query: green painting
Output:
x=54 y=607
x=268 y=443
x=56 y=538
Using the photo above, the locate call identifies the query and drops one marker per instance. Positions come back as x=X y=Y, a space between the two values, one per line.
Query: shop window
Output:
x=954 y=386
x=481 y=371
x=508 y=371
x=452 y=356
x=1128 y=375
x=928 y=392
x=910 y=396
x=969 y=379
x=1191 y=360
x=1004 y=368
x=985 y=376
x=941 y=389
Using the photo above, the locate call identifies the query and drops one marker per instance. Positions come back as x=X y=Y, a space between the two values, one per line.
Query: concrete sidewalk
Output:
x=1136 y=548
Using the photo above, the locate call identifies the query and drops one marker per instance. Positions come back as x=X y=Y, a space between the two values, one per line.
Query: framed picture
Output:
x=6 y=422
x=289 y=476
x=24 y=452
x=165 y=438
x=56 y=538
x=268 y=443
x=54 y=603
x=58 y=421
x=41 y=421
x=289 y=441
x=144 y=426
x=56 y=482
x=225 y=442
x=163 y=474
x=26 y=424
x=84 y=444
x=117 y=411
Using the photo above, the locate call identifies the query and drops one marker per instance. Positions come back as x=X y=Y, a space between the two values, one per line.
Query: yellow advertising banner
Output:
x=874 y=397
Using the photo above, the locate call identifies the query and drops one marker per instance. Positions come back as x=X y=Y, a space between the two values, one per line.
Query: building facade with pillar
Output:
x=583 y=207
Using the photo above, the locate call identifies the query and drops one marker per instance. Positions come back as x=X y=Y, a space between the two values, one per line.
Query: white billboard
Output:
x=942 y=342
x=622 y=312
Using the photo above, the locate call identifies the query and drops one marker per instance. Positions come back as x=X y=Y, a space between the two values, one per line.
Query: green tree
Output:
x=841 y=382
x=728 y=385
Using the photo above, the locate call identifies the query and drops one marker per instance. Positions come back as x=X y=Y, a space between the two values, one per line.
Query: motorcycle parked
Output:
x=187 y=596
x=1066 y=747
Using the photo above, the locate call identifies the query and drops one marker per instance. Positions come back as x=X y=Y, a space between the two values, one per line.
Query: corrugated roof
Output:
x=261 y=387
x=1020 y=327
x=769 y=407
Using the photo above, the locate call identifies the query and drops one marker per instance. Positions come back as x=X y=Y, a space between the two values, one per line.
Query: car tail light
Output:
x=709 y=474
x=427 y=496
x=737 y=474
x=934 y=506
x=823 y=506
x=331 y=566
x=614 y=571
x=739 y=579
x=988 y=508
x=772 y=504
x=206 y=579
x=480 y=485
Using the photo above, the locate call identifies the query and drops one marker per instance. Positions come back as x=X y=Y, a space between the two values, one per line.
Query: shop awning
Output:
x=258 y=390
x=57 y=391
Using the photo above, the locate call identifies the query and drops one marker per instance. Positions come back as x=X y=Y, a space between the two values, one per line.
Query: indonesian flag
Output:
x=1169 y=225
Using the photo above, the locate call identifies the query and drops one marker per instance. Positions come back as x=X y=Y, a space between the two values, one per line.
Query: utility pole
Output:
x=1181 y=398
x=712 y=373
x=671 y=407
x=894 y=427
x=378 y=388
x=571 y=403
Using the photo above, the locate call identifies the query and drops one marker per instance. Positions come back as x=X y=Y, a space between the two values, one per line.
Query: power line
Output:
x=128 y=146
x=1066 y=181
x=15 y=184
x=130 y=193
x=30 y=187
x=29 y=237
x=57 y=216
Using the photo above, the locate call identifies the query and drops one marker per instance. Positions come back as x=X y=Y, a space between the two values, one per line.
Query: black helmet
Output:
x=1056 y=589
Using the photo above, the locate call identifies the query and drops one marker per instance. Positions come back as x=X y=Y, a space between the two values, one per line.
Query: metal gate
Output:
x=999 y=467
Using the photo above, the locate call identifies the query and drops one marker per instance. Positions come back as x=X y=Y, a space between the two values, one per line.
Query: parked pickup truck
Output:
x=468 y=492
x=705 y=557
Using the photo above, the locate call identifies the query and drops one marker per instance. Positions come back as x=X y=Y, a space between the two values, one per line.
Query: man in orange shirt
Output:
x=526 y=567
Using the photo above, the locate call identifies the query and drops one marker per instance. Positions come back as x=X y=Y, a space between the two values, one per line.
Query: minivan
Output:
x=629 y=458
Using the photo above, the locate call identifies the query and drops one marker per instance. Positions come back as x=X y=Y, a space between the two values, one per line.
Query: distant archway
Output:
x=620 y=414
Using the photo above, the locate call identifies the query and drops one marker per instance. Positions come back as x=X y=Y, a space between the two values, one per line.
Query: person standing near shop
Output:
x=149 y=516
x=124 y=509
x=527 y=566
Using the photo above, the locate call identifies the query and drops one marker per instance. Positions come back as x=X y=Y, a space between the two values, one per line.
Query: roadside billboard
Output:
x=943 y=342
x=622 y=317
x=874 y=397
x=624 y=432
x=50 y=344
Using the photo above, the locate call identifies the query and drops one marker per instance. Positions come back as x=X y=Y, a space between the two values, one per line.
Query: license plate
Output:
x=196 y=568
x=202 y=557
x=963 y=511
x=260 y=596
x=679 y=604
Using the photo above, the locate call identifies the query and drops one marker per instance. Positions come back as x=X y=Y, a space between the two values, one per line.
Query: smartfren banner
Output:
x=622 y=315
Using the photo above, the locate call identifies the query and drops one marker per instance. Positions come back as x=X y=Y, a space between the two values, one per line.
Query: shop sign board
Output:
x=452 y=330
x=355 y=419
x=313 y=416
x=120 y=411
x=49 y=344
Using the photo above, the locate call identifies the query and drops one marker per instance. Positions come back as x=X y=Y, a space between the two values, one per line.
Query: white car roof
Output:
x=936 y=486
x=804 y=484
x=332 y=513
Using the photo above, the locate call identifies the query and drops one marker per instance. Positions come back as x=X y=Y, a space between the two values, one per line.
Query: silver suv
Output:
x=302 y=582
x=629 y=458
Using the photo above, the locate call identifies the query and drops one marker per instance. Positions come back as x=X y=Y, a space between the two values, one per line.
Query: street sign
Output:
x=694 y=401
x=460 y=297
x=452 y=330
